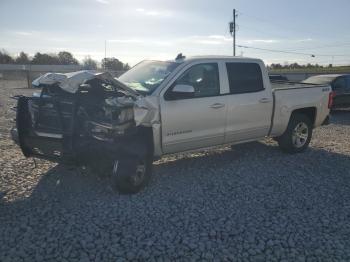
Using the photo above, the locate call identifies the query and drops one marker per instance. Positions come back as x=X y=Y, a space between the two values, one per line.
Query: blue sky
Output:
x=159 y=29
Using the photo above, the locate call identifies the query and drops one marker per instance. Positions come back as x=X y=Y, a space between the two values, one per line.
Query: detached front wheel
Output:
x=298 y=135
x=131 y=174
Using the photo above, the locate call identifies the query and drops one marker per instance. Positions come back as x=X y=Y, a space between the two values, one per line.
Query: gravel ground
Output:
x=252 y=203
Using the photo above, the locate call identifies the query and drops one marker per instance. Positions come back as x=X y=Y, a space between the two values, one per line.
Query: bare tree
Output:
x=89 y=63
x=22 y=59
x=5 y=58
x=66 y=58
x=112 y=64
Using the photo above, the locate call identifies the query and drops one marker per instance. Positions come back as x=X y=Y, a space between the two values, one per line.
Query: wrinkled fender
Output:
x=146 y=113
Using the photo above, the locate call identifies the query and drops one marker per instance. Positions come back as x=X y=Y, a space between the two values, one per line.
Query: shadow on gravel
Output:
x=253 y=189
x=258 y=158
x=340 y=117
x=2 y=194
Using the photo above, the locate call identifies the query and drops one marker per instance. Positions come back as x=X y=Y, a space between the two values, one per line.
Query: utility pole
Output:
x=233 y=31
x=105 y=55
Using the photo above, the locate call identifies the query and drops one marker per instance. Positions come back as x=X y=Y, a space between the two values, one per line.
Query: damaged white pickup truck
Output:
x=159 y=108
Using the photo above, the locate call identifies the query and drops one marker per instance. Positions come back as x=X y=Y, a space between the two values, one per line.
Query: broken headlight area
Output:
x=58 y=124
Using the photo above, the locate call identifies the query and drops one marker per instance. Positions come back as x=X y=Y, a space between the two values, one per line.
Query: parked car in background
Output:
x=340 y=84
x=278 y=78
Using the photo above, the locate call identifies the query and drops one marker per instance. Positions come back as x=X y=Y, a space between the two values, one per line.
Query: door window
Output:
x=204 y=78
x=244 y=77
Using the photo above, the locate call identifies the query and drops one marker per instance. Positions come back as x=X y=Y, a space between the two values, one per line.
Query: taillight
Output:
x=330 y=99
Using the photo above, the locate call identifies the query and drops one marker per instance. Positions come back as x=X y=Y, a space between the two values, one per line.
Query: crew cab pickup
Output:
x=164 y=107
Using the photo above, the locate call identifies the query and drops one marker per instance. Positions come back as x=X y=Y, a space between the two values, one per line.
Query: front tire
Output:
x=298 y=135
x=131 y=174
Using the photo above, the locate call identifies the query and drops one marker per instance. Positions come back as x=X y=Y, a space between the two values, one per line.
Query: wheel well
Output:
x=146 y=135
x=310 y=112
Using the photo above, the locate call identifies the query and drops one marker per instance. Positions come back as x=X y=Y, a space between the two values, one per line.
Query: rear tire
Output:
x=298 y=135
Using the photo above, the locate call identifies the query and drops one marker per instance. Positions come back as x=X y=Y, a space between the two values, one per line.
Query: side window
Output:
x=339 y=84
x=204 y=78
x=244 y=78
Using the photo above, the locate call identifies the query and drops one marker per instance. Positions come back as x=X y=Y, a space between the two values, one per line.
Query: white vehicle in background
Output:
x=165 y=107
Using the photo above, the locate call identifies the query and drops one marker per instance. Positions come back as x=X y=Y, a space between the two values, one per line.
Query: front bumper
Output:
x=69 y=148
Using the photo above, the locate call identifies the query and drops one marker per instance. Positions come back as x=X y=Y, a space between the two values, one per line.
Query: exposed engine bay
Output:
x=76 y=115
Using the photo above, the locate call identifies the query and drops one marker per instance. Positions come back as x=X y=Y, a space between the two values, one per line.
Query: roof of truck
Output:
x=216 y=57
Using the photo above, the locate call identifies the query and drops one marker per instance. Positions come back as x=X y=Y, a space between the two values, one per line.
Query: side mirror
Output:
x=182 y=91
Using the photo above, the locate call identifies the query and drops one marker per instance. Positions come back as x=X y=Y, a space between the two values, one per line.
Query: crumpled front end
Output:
x=80 y=115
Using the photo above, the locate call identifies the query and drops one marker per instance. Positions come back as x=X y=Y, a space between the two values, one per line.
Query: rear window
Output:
x=244 y=77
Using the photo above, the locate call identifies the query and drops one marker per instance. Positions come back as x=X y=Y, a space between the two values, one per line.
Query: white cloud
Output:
x=205 y=39
x=304 y=40
x=220 y=37
x=143 y=41
x=125 y=41
x=25 y=33
x=105 y=2
x=208 y=42
x=148 y=12
x=264 y=41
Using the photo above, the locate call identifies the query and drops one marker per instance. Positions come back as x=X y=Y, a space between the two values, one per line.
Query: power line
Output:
x=273 y=23
x=289 y=29
x=273 y=50
x=320 y=47
x=290 y=52
x=264 y=33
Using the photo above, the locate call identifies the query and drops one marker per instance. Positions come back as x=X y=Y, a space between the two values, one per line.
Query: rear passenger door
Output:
x=249 y=104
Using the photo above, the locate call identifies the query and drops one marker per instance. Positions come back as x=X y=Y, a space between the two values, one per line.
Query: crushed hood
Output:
x=70 y=82
x=146 y=110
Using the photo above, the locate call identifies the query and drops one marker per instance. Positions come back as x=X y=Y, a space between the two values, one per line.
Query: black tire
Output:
x=126 y=175
x=298 y=135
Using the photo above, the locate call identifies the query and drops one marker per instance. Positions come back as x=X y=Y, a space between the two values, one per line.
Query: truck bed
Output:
x=290 y=96
x=280 y=85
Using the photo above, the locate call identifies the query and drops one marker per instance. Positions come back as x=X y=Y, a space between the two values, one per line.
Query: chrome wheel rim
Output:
x=300 y=135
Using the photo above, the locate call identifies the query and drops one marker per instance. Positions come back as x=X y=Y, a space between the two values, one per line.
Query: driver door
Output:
x=194 y=122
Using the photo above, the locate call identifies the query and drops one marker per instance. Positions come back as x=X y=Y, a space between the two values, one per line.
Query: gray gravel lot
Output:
x=252 y=203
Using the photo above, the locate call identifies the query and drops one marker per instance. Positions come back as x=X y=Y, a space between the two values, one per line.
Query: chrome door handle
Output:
x=217 y=105
x=265 y=100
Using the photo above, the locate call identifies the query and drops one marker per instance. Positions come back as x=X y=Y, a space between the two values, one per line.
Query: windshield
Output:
x=147 y=75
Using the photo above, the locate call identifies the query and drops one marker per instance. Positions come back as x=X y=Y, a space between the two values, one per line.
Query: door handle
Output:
x=217 y=105
x=265 y=100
